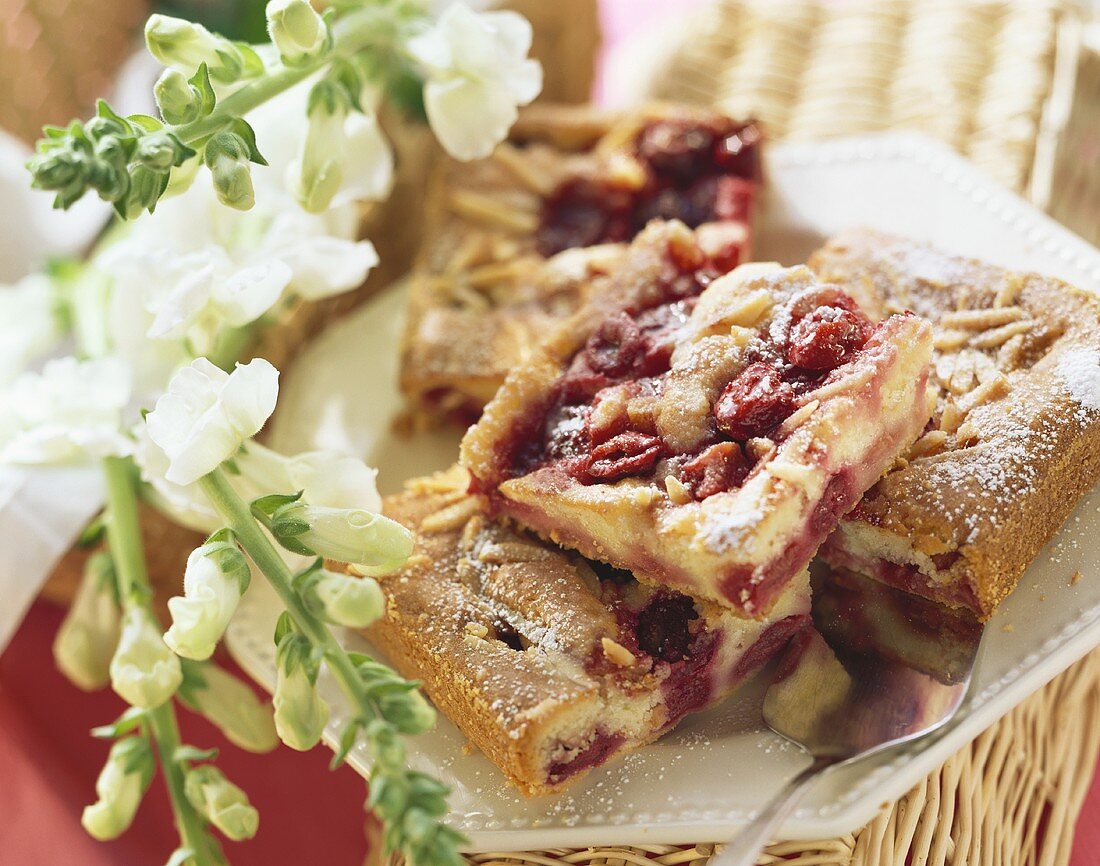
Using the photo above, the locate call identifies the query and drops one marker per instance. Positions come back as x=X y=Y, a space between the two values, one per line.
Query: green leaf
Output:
x=193 y=753
x=265 y=506
x=93 y=533
x=348 y=736
x=201 y=82
x=124 y=724
x=284 y=626
x=253 y=63
x=146 y=122
x=241 y=127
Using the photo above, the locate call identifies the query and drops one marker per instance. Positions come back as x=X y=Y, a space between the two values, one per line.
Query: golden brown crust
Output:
x=480 y=296
x=519 y=643
x=1011 y=446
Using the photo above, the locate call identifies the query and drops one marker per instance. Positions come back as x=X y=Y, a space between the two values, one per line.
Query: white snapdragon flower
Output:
x=88 y=637
x=231 y=706
x=221 y=802
x=207 y=414
x=375 y=543
x=120 y=787
x=71 y=409
x=478 y=73
x=354 y=602
x=184 y=46
x=29 y=323
x=144 y=671
x=326 y=478
x=214 y=580
x=300 y=713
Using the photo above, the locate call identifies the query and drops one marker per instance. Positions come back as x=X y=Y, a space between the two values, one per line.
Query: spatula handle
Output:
x=744 y=848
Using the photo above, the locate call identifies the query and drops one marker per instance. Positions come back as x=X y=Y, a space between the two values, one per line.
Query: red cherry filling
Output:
x=716 y=469
x=754 y=402
x=629 y=453
x=827 y=337
x=697 y=172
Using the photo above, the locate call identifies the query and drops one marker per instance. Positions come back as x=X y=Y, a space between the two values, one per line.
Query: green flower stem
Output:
x=125 y=545
x=258 y=546
x=352 y=33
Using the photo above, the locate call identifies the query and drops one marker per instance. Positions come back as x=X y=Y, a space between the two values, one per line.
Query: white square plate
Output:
x=707 y=777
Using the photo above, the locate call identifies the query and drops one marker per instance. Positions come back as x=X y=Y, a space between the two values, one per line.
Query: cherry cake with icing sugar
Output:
x=553 y=665
x=1014 y=440
x=701 y=430
x=512 y=241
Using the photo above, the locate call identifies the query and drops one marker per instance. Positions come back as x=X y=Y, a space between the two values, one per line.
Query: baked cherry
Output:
x=581 y=213
x=680 y=151
x=664 y=627
x=719 y=468
x=754 y=402
x=826 y=337
x=629 y=453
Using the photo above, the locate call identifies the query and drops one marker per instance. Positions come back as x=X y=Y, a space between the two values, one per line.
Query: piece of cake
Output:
x=550 y=664
x=511 y=241
x=1014 y=441
x=704 y=442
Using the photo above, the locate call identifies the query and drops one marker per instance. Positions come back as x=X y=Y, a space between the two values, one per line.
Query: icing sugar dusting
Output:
x=1080 y=371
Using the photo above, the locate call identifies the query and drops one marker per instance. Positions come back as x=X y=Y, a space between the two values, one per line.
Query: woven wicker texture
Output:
x=974 y=73
x=1010 y=798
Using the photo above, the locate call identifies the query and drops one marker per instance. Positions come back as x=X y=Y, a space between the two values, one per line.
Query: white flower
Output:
x=221 y=802
x=296 y=30
x=326 y=478
x=207 y=414
x=231 y=706
x=88 y=636
x=28 y=324
x=300 y=713
x=71 y=409
x=376 y=543
x=354 y=602
x=215 y=578
x=120 y=787
x=144 y=672
x=478 y=73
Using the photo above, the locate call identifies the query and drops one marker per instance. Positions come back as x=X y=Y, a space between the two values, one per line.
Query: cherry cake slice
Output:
x=553 y=665
x=511 y=242
x=702 y=430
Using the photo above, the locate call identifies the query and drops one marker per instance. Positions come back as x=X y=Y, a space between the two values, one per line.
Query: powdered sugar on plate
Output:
x=1079 y=369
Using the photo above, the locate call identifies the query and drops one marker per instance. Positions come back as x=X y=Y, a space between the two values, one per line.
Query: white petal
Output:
x=335 y=481
x=250 y=292
x=469 y=117
x=325 y=266
x=249 y=396
x=513 y=33
x=368 y=161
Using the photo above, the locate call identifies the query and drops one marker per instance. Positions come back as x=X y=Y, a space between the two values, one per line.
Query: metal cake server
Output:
x=879 y=668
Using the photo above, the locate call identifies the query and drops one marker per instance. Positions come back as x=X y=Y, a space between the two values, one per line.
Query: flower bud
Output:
x=408 y=711
x=221 y=802
x=226 y=156
x=184 y=46
x=345 y=535
x=385 y=746
x=121 y=784
x=296 y=30
x=231 y=706
x=144 y=671
x=146 y=188
x=215 y=578
x=321 y=164
x=177 y=100
x=88 y=636
x=161 y=151
x=300 y=713
x=354 y=602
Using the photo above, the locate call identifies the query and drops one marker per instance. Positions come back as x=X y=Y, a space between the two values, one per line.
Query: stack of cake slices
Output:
x=667 y=436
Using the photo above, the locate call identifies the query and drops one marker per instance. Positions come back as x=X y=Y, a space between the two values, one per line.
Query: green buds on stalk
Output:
x=221 y=802
x=87 y=639
x=300 y=713
x=375 y=543
x=185 y=46
x=321 y=169
x=297 y=31
x=354 y=602
x=182 y=99
x=120 y=786
x=126 y=160
x=227 y=157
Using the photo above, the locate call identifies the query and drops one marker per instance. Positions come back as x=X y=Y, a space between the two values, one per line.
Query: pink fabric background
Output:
x=48 y=763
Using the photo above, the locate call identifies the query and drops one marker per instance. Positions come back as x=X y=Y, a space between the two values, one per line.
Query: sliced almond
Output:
x=616 y=653
x=983 y=319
